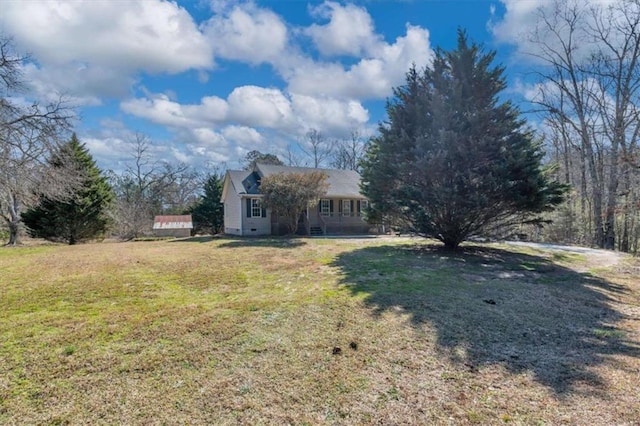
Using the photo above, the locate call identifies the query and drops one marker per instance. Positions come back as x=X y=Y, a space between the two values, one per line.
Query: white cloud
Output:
x=243 y=136
x=522 y=26
x=330 y=116
x=350 y=30
x=249 y=108
x=208 y=137
x=255 y=35
x=81 y=84
x=194 y=146
x=372 y=77
x=110 y=150
x=113 y=146
x=179 y=155
x=160 y=109
x=247 y=33
x=518 y=21
x=95 y=48
x=149 y=35
x=260 y=107
x=251 y=118
x=204 y=145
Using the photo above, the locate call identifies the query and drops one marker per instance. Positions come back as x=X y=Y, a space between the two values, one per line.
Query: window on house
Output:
x=346 y=207
x=325 y=207
x=256 y=209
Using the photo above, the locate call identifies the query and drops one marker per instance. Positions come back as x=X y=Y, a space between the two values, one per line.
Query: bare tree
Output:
x=316 y=147
x=293 y=158
x=132 y=214
x=349 y=152
x=148 y=187
x=29 y=134
x=589 y=94
x=181 y=190
x=617 y=69
x=253 y=157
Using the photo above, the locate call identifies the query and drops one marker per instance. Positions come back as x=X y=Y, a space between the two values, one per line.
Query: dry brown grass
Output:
x=227 y=331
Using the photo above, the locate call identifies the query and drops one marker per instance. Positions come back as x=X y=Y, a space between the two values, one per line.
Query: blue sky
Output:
x=208 y=81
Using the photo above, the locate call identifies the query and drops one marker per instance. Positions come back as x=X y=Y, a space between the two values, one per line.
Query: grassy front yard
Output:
x=315 y=331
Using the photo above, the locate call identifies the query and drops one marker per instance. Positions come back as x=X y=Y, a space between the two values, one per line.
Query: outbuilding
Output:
x=172 y=226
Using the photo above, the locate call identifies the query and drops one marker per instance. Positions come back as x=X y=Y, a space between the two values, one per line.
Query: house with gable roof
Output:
x=340 y=211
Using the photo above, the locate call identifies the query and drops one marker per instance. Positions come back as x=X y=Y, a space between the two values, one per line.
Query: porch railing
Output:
x=341 y=214
x=323 y=224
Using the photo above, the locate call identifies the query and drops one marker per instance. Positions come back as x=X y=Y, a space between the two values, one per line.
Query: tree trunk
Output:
x=451 y=244
x=14 y=234
x=610 y=220
x=623 y=244
x=595 y=167
x=451 y=239
x=14 y=222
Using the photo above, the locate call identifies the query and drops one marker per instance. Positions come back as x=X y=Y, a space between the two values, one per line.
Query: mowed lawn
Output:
x=316 y=331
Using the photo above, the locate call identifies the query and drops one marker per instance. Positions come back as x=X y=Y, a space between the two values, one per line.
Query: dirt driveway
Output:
x=596 y=257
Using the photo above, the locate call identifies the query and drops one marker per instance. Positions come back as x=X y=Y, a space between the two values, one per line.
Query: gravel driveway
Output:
x=596 y=257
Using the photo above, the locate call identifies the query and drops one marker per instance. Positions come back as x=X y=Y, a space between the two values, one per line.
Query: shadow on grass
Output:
x=198 y=239
x=489 y=306
x=274 y=242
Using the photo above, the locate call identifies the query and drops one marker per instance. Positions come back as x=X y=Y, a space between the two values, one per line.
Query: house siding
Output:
x=254 y=225
x=343 y=185
x=178 y=233
x=232 y=213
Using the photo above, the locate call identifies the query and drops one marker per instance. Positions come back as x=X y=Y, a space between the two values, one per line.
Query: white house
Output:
x=339 y=212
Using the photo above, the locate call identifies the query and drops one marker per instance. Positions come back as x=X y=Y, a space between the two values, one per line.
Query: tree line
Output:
x=589 y=99
x=100 y=204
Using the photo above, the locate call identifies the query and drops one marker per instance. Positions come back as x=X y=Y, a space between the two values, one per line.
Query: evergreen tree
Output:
x=81 y=217
x=453 y=161
x=208 y=214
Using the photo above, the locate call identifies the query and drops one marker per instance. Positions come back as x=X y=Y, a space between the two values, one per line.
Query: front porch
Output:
x=335 y=216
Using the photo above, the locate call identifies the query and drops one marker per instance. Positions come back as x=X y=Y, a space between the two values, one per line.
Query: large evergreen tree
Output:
x=84 y=215
x=453 y=160
x=208 y=214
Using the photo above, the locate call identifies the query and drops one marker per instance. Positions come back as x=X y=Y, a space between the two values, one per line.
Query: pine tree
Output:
x=208 y=214
x=84 y=215
x=453 y=161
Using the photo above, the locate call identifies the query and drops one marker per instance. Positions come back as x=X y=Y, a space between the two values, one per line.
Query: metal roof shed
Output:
x=172 y=225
